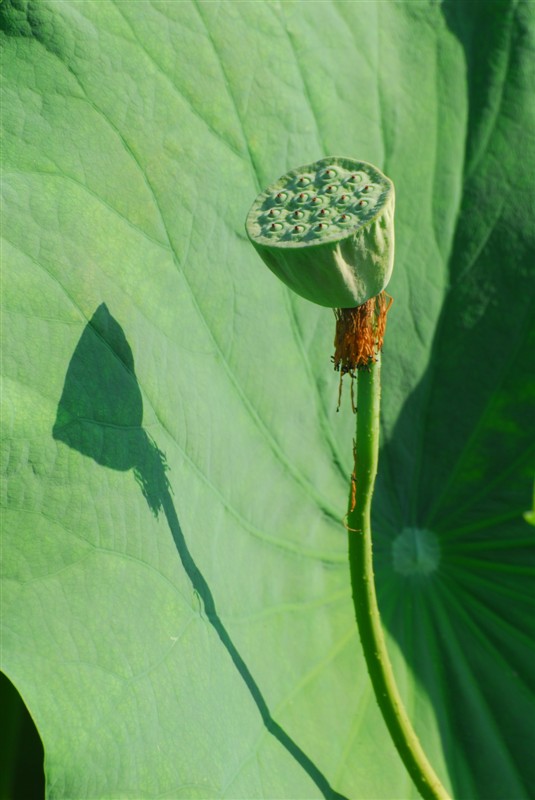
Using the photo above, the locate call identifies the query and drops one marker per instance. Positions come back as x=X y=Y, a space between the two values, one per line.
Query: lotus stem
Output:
x=364 y=596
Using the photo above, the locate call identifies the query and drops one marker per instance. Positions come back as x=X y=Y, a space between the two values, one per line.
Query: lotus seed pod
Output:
x=327 y=231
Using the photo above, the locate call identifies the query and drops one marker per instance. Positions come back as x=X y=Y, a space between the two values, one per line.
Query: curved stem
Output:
x=364 y=597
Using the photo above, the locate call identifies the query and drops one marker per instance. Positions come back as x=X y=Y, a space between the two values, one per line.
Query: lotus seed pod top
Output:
x=327 y=231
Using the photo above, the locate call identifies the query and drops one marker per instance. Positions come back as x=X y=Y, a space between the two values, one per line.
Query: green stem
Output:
x=364 y=597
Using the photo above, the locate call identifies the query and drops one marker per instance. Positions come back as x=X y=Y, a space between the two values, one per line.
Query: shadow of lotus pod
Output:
x=100 y=412
x=333 y=258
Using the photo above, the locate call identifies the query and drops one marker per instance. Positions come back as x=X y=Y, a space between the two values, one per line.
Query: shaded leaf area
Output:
x=21 y=750
x=217 y=656
x=470 y=424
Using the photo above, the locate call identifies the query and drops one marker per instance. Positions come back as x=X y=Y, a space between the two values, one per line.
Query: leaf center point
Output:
x=416 y=551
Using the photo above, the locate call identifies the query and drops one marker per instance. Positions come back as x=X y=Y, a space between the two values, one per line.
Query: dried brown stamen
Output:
x=359 y=337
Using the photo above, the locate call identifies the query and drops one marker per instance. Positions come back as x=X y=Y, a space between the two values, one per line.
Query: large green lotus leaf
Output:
x=176 y=604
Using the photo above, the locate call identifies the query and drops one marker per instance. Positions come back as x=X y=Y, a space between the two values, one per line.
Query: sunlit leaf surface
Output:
x=176 y=604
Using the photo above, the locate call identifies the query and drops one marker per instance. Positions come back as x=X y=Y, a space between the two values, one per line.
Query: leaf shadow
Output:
x=100 y=415
x=433 y=601
x=454 y=476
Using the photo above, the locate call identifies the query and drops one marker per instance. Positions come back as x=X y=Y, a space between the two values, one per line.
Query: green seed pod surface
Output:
x=327 y=231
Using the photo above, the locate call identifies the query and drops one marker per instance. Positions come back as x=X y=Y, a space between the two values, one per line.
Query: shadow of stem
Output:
x=100 y=415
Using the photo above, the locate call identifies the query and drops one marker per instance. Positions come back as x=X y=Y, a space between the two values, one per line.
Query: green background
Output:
x=176 y=607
